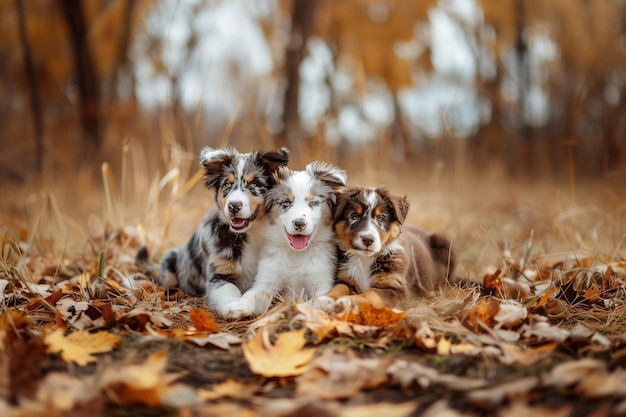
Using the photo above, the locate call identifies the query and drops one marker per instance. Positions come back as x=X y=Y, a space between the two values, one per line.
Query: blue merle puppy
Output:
x=220 y=259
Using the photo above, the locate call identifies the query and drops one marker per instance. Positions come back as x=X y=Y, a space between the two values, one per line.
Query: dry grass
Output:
x=560 y=259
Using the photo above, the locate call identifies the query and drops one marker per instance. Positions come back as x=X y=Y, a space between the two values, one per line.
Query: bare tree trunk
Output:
x=523 y=84
x=123 y=69
x=302 y=19
x=33 y=86
x=87 y=79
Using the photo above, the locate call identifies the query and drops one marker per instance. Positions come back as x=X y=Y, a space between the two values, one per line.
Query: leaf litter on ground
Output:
x=528 y=329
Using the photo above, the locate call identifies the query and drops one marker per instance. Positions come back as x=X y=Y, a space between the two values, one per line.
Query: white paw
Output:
x=344 y=304
x=324 y=303
x=237 y=309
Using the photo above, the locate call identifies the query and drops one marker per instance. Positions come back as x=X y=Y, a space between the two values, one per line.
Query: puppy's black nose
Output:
x=299 y=224
x=367 y=240
x=234 y=206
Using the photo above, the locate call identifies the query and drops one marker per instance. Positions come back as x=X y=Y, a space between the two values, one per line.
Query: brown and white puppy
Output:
x=381 y=261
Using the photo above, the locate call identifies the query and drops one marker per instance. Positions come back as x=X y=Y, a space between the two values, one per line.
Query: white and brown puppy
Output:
x=220 y=259
x=298 y=260
x=380 y=261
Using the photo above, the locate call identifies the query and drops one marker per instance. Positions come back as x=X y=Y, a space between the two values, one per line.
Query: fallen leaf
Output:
x=229 y=389
x=221 y=340
x=61 y=391
x=510 y=314
x=484 y=312
x=488 y=398
x=405 y=409
x=521 y=409
x=80 y=346
x=369 y=315
x=513 y=354
x=147 y=384
x=342 y=375
x=203 y=321
x=284 y=358
x=317 y=321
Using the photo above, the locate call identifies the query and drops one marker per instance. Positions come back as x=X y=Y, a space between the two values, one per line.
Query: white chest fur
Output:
x=360 y=269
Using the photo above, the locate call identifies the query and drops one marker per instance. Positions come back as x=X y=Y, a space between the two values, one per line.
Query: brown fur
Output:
x=412 y=261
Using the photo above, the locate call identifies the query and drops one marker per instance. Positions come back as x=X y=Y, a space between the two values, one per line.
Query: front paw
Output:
x=344 y=305
x=332 y=305
x=324 y=303
x=236 y=309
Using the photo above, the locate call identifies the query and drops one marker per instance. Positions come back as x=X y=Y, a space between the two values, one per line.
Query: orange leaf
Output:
x=368 y=315
x=203 y=321
x=545 y=297
x=485 y=312
x=492 y=281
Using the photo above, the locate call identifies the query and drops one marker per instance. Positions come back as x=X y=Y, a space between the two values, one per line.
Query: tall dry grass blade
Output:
x=190 y=183
x=110 y=193
x=124 y=180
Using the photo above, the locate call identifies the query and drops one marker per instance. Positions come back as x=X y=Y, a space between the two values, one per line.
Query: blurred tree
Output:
x=302 y=19
x=88 y=84
x=33 y=83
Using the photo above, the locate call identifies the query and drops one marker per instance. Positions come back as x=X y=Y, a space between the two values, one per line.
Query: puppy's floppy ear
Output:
x=334 y=177
x=343 y=197
x=274 y=159
x=271 y=198
x=399 y=204
x=213 y=161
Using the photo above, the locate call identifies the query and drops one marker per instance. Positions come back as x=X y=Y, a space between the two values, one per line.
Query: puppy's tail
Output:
x=147 y=268
x=443 y=254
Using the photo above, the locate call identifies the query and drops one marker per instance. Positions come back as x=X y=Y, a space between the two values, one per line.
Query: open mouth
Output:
x=239 y=224
x=298 y=242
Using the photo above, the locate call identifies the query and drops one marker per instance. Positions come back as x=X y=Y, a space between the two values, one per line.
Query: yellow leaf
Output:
x=285 y=358
x=80 y=346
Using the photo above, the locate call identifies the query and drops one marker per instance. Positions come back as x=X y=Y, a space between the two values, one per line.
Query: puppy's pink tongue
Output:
x=238 y=223
x=299 y=241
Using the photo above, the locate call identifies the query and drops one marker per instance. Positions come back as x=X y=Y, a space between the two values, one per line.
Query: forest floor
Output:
x=537 y=328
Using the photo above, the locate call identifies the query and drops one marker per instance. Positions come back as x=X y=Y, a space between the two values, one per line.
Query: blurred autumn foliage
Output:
x=541 y=85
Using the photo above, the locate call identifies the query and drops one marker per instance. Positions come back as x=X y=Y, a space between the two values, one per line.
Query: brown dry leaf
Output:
x=147 y=384
x=318 y=321
x=342 y=375
x=488 y=398
x=484 y=312
x=203 y=321
x=220 y=340
x=229 y=389
x=80 y=346
x=375 y=410
x=510 y=314
x=590 y=377
x=368 y=315
x=406 y=373
x=284 y=358
x=522 y=409
x=492 y=281
x=545 y=297
x=64 y=392
x=513 y=354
